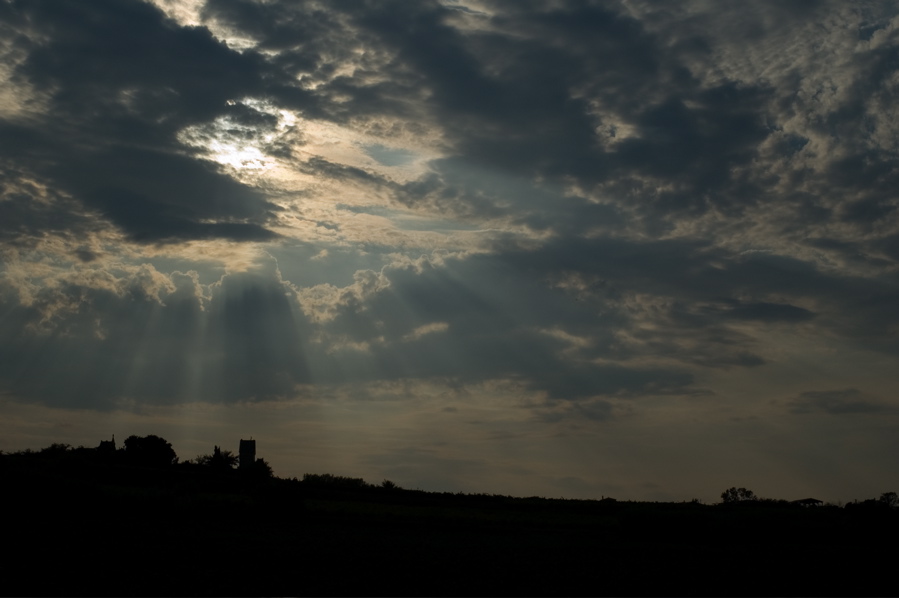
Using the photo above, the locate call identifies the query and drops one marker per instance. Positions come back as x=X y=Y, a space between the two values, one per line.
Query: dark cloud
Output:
x=549 y=91
x=125 y=67
x=85 y=255
x=119 y=82
x=28 y=213
x=590 y=410
x=142 y=335
x=529 y=93
x=568 y=91
x=146 y=337
x=148 y=220
x=770 y=312
x=523 y=99
x=495 y=323
x=835 y=402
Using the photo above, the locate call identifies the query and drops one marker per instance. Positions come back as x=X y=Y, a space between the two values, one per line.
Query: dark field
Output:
x=80 y=526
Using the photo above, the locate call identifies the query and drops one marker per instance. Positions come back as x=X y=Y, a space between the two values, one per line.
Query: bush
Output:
x=735 y=495
x=149 y=451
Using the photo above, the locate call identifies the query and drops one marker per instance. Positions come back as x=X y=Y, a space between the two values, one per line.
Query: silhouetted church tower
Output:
x=247 y=453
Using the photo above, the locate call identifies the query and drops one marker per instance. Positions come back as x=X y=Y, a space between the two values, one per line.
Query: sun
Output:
x=239 y=157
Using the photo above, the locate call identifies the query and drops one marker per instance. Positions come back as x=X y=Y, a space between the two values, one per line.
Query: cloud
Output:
x=835 y=402
x=138 y=334
x=556 y=159
x=772 y=312
x=117 y=81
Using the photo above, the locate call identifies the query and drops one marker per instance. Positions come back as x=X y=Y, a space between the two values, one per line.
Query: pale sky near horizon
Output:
x=529 y=247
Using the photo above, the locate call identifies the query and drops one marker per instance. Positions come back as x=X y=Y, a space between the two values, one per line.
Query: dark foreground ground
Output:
x=78 y=528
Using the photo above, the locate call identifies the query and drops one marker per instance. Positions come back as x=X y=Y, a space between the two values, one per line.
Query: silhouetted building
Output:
x=247 y=453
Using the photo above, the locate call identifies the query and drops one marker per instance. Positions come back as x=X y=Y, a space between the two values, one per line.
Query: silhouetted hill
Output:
x=101 y=525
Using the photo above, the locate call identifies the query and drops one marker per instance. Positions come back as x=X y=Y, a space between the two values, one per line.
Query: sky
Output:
x=529 y=247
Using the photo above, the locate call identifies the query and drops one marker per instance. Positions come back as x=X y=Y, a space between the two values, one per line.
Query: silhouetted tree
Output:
x=890 y=499
x=56 y=449
x=149 y=451
x=869 y=504
x=734 y=495
x=262 y=469
x=219 y=459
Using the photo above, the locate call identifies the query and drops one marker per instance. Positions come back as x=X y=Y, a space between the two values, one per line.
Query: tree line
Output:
x=744 y=496
x=153 y=452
